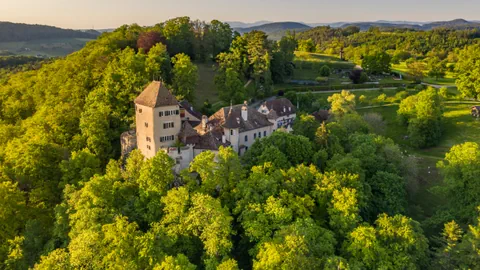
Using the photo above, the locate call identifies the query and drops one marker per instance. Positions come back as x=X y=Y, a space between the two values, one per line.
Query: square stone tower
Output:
x=157 y=118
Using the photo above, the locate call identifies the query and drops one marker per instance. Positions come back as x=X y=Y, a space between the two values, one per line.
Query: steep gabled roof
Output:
x=211 y=140
x=281 y=106
x=156 y=95
x=189 y=108
x=233 y=119
x=187 y=134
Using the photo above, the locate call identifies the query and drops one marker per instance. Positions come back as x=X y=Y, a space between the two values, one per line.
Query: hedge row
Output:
x=316 y=88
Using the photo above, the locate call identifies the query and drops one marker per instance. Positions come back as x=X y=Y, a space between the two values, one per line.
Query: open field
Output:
x=307 y=64
x=309 y=61
x=449 y=79
x=45 y=47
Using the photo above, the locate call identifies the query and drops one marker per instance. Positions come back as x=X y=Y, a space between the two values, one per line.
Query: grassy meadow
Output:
x=448 y=81
x=206 y=86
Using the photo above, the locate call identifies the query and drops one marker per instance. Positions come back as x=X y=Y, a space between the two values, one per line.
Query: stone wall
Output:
x=128 y=141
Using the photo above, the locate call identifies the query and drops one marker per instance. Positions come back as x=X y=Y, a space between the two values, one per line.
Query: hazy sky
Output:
x=113 y=13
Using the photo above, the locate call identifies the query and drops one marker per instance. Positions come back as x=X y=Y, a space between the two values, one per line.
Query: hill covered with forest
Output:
x=458 y=24
x=13 y=32
x=274 y=27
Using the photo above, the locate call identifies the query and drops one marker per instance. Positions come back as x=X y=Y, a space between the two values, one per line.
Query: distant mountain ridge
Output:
x=236 y=24
x=14 y=32
x=453 y=24
x=275 y=27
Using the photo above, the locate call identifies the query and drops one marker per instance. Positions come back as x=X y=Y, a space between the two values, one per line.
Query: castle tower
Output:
x=157 y=117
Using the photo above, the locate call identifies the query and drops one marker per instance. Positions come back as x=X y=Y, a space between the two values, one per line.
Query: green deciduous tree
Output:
x=12 y=214
x=461 y=170
x=468 y=69
x=377 y=63
x=297 y=149
x=303 y=244
x=306 y=125
x=229 y=86
x=343 y=103
x=185 y=76
x=423 y=114
x=394 y=243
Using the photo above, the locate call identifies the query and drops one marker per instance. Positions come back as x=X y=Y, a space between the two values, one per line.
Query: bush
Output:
x=381 y=98
x=420 y=87
x=401 y=95
x=443 y=92
x=324 y=71
x=376 y=122
x=321 y=79
x=363 y=99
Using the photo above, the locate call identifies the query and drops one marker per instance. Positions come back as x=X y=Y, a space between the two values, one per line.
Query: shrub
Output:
x=363 y=99
x=324 y=71
x=376 y=122
x=321 y=79
x=420 y=87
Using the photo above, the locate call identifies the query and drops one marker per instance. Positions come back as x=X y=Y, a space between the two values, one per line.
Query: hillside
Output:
x=236 y=24
x=453 y=24
x=274 y=27
x=14 y=32
x=41 y=40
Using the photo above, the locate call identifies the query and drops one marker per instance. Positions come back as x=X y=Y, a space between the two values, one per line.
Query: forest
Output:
x=10 y=32
x=330 y=195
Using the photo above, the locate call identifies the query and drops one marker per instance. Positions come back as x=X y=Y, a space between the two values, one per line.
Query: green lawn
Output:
x=449 y=79
x=304 y=60
x=206 y=85
x=440 y=81
x=48 y=47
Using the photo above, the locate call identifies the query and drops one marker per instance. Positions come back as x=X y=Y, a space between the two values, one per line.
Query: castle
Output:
x=165 y=124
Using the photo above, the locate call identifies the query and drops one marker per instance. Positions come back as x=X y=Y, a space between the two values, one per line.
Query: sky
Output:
x=98 y=14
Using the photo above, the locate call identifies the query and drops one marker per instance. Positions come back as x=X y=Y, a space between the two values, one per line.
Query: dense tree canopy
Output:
x=330 y=195
x=423 y=114
x=468 y=68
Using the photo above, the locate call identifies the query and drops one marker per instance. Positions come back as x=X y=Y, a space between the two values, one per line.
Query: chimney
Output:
x=204 y=122
x=224 y=139
x=245 y=111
